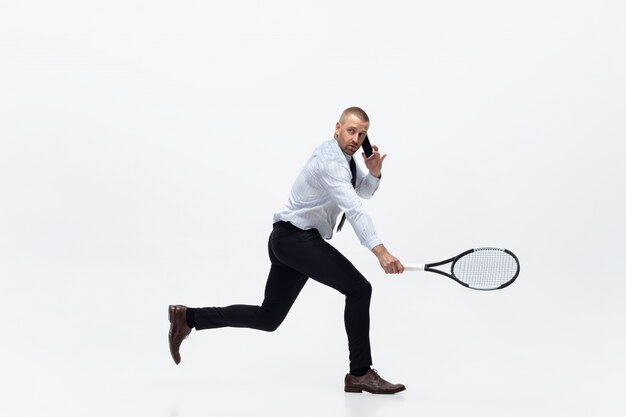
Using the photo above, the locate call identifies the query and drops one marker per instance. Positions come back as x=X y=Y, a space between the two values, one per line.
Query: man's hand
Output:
x=390 y=263
x=375 y=162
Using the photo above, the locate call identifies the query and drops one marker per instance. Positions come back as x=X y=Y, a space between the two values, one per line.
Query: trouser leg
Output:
x=296 y=255
x=309 y=254
x=281 y=290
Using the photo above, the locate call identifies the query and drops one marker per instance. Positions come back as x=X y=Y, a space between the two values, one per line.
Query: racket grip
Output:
x=413 y=267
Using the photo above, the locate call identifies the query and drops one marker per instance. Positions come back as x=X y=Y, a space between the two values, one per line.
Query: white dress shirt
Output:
x=323 y=190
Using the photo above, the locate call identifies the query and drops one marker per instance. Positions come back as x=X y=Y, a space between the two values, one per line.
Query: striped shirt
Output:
x=323 y=190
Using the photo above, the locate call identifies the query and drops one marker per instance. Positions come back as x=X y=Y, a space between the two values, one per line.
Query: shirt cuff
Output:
x=376 y=180
x=372 y=242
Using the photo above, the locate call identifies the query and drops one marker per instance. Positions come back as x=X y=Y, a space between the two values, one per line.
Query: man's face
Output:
x=351 y=133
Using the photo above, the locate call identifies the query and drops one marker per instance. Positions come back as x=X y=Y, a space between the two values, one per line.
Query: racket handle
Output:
x=413 y=267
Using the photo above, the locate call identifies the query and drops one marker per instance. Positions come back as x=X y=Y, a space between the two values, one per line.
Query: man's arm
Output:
x=390 y=263
x=334 y=176
x=368 y=184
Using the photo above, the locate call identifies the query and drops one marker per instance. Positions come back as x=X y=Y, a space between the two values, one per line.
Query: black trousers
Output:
x=296 y=255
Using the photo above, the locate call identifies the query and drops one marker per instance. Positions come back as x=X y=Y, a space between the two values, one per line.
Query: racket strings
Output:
x=486 y=268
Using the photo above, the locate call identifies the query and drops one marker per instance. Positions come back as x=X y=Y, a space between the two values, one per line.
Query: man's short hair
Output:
x=354 y=111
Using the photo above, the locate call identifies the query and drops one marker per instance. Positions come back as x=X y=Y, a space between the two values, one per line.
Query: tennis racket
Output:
x=480 y=269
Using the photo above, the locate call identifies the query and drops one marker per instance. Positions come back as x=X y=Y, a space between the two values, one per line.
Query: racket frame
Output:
x=431 y=268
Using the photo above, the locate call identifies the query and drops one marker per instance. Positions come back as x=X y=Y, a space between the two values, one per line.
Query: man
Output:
x=330 y=183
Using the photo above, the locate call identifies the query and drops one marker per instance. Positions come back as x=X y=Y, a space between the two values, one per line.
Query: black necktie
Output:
x=353 y=180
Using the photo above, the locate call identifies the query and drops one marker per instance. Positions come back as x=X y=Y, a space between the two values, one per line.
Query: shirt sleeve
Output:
x=366 y=183
x=335 y=178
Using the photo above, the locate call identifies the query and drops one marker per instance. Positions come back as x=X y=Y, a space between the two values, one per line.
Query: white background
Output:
x=145 y=145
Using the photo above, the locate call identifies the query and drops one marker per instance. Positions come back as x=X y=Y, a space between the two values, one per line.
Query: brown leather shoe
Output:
x=372 y=383
x=179 y=330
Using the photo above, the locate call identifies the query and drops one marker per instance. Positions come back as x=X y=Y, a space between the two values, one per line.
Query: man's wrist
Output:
x=379 y=250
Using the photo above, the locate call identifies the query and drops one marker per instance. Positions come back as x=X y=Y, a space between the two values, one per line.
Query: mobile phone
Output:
x=367 y=147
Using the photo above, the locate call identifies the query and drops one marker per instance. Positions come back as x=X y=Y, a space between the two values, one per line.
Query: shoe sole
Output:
x=360 y=390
